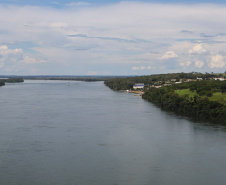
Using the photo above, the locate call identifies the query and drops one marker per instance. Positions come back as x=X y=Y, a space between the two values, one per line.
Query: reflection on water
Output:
x=58 y=132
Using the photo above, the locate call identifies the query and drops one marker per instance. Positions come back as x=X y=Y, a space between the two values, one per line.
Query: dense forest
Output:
x=201 y=99
x=204 y=99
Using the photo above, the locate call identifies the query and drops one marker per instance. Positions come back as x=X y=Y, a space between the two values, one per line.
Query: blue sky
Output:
x=99 y=2
x=63 y=37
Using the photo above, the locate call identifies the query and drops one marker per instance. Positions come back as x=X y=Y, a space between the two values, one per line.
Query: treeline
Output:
x=85 y=79
x=203 y=88
x=70 y=78
x=2 y=83
x=198 y=105
x=127 y=83
x=11 y=80
x=63 y=77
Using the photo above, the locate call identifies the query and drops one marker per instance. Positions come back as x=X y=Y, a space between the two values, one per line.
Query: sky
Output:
x=96 y=37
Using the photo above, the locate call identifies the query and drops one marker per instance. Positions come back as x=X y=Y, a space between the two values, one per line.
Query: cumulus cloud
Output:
x=217 y=61
x=12 y=60
x=141 y=68
x=122 y=33
x=5 y=51
x=199 y=63
x=9 y=57
x=169 y=54
x=28 y=60
x=185 y=64
x=197 y=50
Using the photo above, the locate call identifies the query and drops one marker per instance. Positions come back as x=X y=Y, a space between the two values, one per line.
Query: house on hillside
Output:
x=167 y=85
x=199 y=78
x=138 y=86
x=221 y=79
x=173 y=80
x=158 y=86
x=190 y=80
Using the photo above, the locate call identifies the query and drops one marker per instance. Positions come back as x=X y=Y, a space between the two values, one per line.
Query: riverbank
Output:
x=10 y=80
x=197 y=104
x=138 y=93
x=203 y=98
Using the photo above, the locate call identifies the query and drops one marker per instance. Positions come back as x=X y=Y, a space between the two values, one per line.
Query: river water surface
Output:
x=83 y=133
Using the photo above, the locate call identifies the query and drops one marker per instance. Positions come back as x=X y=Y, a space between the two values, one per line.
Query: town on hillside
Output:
x=158 y=84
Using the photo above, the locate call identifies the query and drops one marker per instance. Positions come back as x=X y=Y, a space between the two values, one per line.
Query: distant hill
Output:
x=66 y=77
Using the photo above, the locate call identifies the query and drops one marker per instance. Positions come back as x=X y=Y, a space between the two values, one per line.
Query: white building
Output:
x=221 y=79
x=199 y=78
x=138 y=86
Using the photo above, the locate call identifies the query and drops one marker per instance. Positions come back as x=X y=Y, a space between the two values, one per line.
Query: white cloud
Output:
x=9 y=57
x=197 y=50
x=142 y=67
x=13 y=60
x=28 y=60
x=199 y=63
x=116 y=33
x=135 y=68
x=186 y=64
x=4 y=51
x=217 y=61
x=169 y=54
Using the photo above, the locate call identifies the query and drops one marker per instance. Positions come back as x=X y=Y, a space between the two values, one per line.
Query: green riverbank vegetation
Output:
x=158 y=80
x=11 y=80
x=2 y=83
x=191 y=94
x=201 y=99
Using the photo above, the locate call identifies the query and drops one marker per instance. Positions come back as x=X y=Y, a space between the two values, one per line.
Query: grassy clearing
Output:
x=186 y=91
x=219 y=97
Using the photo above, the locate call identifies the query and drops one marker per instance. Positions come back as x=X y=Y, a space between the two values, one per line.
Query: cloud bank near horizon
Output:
x=125 y=38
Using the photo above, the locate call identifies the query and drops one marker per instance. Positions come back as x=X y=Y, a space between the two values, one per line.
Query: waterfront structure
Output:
x=138 y=86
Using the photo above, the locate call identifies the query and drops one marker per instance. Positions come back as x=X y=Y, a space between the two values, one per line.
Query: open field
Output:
x=186 y=91
x=219 y=97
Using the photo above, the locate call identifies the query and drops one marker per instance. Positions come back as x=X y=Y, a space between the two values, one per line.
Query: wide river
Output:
x=83 y=133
